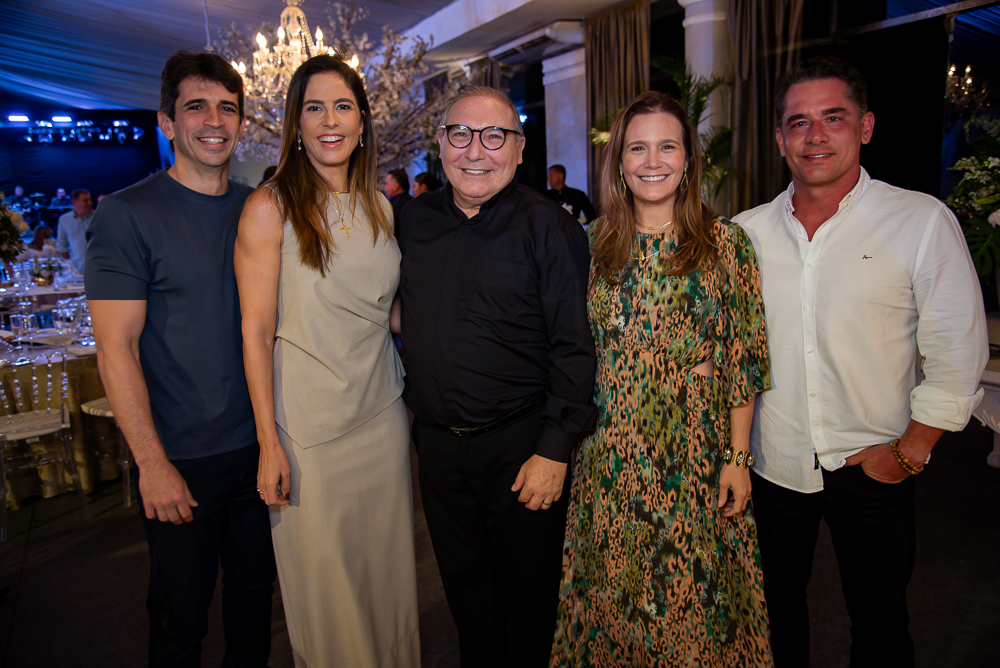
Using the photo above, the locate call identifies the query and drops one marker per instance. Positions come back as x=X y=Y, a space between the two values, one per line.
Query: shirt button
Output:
x=815 y=438
x=812 y=394
x=809 y=264
x=805 y=308
x=810 y=351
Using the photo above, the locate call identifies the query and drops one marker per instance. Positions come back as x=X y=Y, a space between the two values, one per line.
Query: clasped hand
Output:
x=274 y=476
x=735 y=479
x=540 y=482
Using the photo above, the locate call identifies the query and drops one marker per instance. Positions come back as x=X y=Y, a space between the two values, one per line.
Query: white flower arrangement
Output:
x=974 y=200
x=12 y=226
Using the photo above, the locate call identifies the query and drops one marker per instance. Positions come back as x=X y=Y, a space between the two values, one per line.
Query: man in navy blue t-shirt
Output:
x=165 y=310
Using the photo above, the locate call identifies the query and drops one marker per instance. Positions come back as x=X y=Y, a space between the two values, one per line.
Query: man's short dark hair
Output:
x=558 y=168
x=823 y=67
x=207 y=66
x=401 y=179
x=75 y=195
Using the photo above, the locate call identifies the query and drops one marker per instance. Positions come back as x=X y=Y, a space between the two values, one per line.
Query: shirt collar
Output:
x=485 y=206
x=850 y=200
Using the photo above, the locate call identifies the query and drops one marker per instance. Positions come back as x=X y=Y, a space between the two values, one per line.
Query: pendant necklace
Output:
x=343 y=223
x=658 y=227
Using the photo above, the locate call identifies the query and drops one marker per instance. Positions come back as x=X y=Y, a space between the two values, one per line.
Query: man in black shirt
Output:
x=397 y=189
x=573 y=200
x=500 y=371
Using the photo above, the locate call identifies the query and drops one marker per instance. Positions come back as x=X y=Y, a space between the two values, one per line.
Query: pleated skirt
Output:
x=344 y=548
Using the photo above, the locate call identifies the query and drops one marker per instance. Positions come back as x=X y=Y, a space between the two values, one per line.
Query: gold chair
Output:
x=100 y=408
x=48 y=413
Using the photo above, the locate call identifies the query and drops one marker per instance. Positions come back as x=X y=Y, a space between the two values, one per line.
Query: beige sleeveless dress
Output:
x=344 y=545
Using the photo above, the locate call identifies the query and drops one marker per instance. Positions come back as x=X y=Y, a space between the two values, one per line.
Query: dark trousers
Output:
x=500 y=563
x=230 y=527
x=874 y=536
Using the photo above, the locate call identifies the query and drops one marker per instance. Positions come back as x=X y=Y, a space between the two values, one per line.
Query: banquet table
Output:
x=44 y=295
x=95 y=449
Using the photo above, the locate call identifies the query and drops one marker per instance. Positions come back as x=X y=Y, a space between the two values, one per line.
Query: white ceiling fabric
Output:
x=108 y=54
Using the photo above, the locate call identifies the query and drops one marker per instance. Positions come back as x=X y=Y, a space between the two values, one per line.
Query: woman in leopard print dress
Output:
x=661 y=566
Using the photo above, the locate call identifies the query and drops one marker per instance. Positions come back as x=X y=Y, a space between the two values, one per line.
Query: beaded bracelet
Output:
x=903 y=461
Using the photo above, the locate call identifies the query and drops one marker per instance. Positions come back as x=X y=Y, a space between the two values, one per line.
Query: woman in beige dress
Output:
x=317 y=267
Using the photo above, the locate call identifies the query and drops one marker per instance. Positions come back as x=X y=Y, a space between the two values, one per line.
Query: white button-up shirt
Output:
x=71 y=237
x=885 y=281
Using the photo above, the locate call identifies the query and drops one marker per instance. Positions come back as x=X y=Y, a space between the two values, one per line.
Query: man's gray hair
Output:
x=467 y=92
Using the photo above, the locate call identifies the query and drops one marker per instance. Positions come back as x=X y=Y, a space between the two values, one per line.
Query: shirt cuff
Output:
x=941 y=410
x=556 y=445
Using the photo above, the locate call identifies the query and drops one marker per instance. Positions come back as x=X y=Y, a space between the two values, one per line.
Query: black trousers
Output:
x=500 y=563
x=874 y=536
x=231 y=527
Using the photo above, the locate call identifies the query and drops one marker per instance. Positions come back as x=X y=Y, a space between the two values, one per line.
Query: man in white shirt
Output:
x=71 y=240
x=860 y=280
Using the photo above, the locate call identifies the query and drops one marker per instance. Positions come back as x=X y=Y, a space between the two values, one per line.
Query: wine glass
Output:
x=18 y=324
x=65 y=320
x=22 y=276
x=29 y=326
x=21 y=324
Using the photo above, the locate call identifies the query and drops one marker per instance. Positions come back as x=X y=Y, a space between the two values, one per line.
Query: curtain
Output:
x=765 y=39
x=617 y=56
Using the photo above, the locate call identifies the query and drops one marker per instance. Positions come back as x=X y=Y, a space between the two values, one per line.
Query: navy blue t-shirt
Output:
x=173 y=247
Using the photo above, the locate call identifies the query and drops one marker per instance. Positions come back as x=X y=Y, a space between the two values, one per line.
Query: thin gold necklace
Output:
x=646 y=257
x=343 y=223
x=658 y=227
x=663 y=240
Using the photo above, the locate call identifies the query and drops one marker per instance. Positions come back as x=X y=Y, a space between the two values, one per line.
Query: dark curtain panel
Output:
x=617 y=44
x=765 y=38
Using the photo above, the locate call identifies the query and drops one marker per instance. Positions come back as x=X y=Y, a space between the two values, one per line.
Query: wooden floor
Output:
x=78 y=586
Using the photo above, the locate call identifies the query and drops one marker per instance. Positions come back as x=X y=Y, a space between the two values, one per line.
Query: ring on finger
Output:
x=546 y=503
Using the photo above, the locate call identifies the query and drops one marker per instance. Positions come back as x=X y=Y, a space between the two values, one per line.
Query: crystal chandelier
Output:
x=964 y=97
x=272 y=68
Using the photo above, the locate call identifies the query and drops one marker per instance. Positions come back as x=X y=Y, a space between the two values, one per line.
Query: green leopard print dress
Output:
x=653 y=574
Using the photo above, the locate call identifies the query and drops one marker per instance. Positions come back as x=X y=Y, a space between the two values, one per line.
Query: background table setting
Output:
x=30 y=365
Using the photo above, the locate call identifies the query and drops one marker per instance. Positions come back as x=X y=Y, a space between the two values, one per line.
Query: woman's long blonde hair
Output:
x=614 y=238
x=302 y=192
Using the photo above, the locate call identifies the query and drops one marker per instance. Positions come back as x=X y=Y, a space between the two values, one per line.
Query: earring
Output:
x=682 y=187
x=361 y=140
x=622 y=177
x=300 y=141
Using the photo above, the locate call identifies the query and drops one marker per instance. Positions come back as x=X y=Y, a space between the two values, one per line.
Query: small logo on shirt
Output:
x=866 y=257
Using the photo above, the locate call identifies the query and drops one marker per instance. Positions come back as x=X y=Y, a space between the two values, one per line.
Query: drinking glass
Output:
x=22 y=324
x=64 y=319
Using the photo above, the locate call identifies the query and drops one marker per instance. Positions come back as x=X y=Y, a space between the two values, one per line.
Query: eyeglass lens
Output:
x=492 y=138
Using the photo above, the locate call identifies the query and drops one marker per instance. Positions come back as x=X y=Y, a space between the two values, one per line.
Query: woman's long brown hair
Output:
x=614 y=239
x=302 y=192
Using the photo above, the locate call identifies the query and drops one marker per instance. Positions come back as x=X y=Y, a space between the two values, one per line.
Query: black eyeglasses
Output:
x=461 y=136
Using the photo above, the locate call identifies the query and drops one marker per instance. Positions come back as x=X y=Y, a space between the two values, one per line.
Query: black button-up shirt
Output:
x=494 y=314
x=576 y=199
